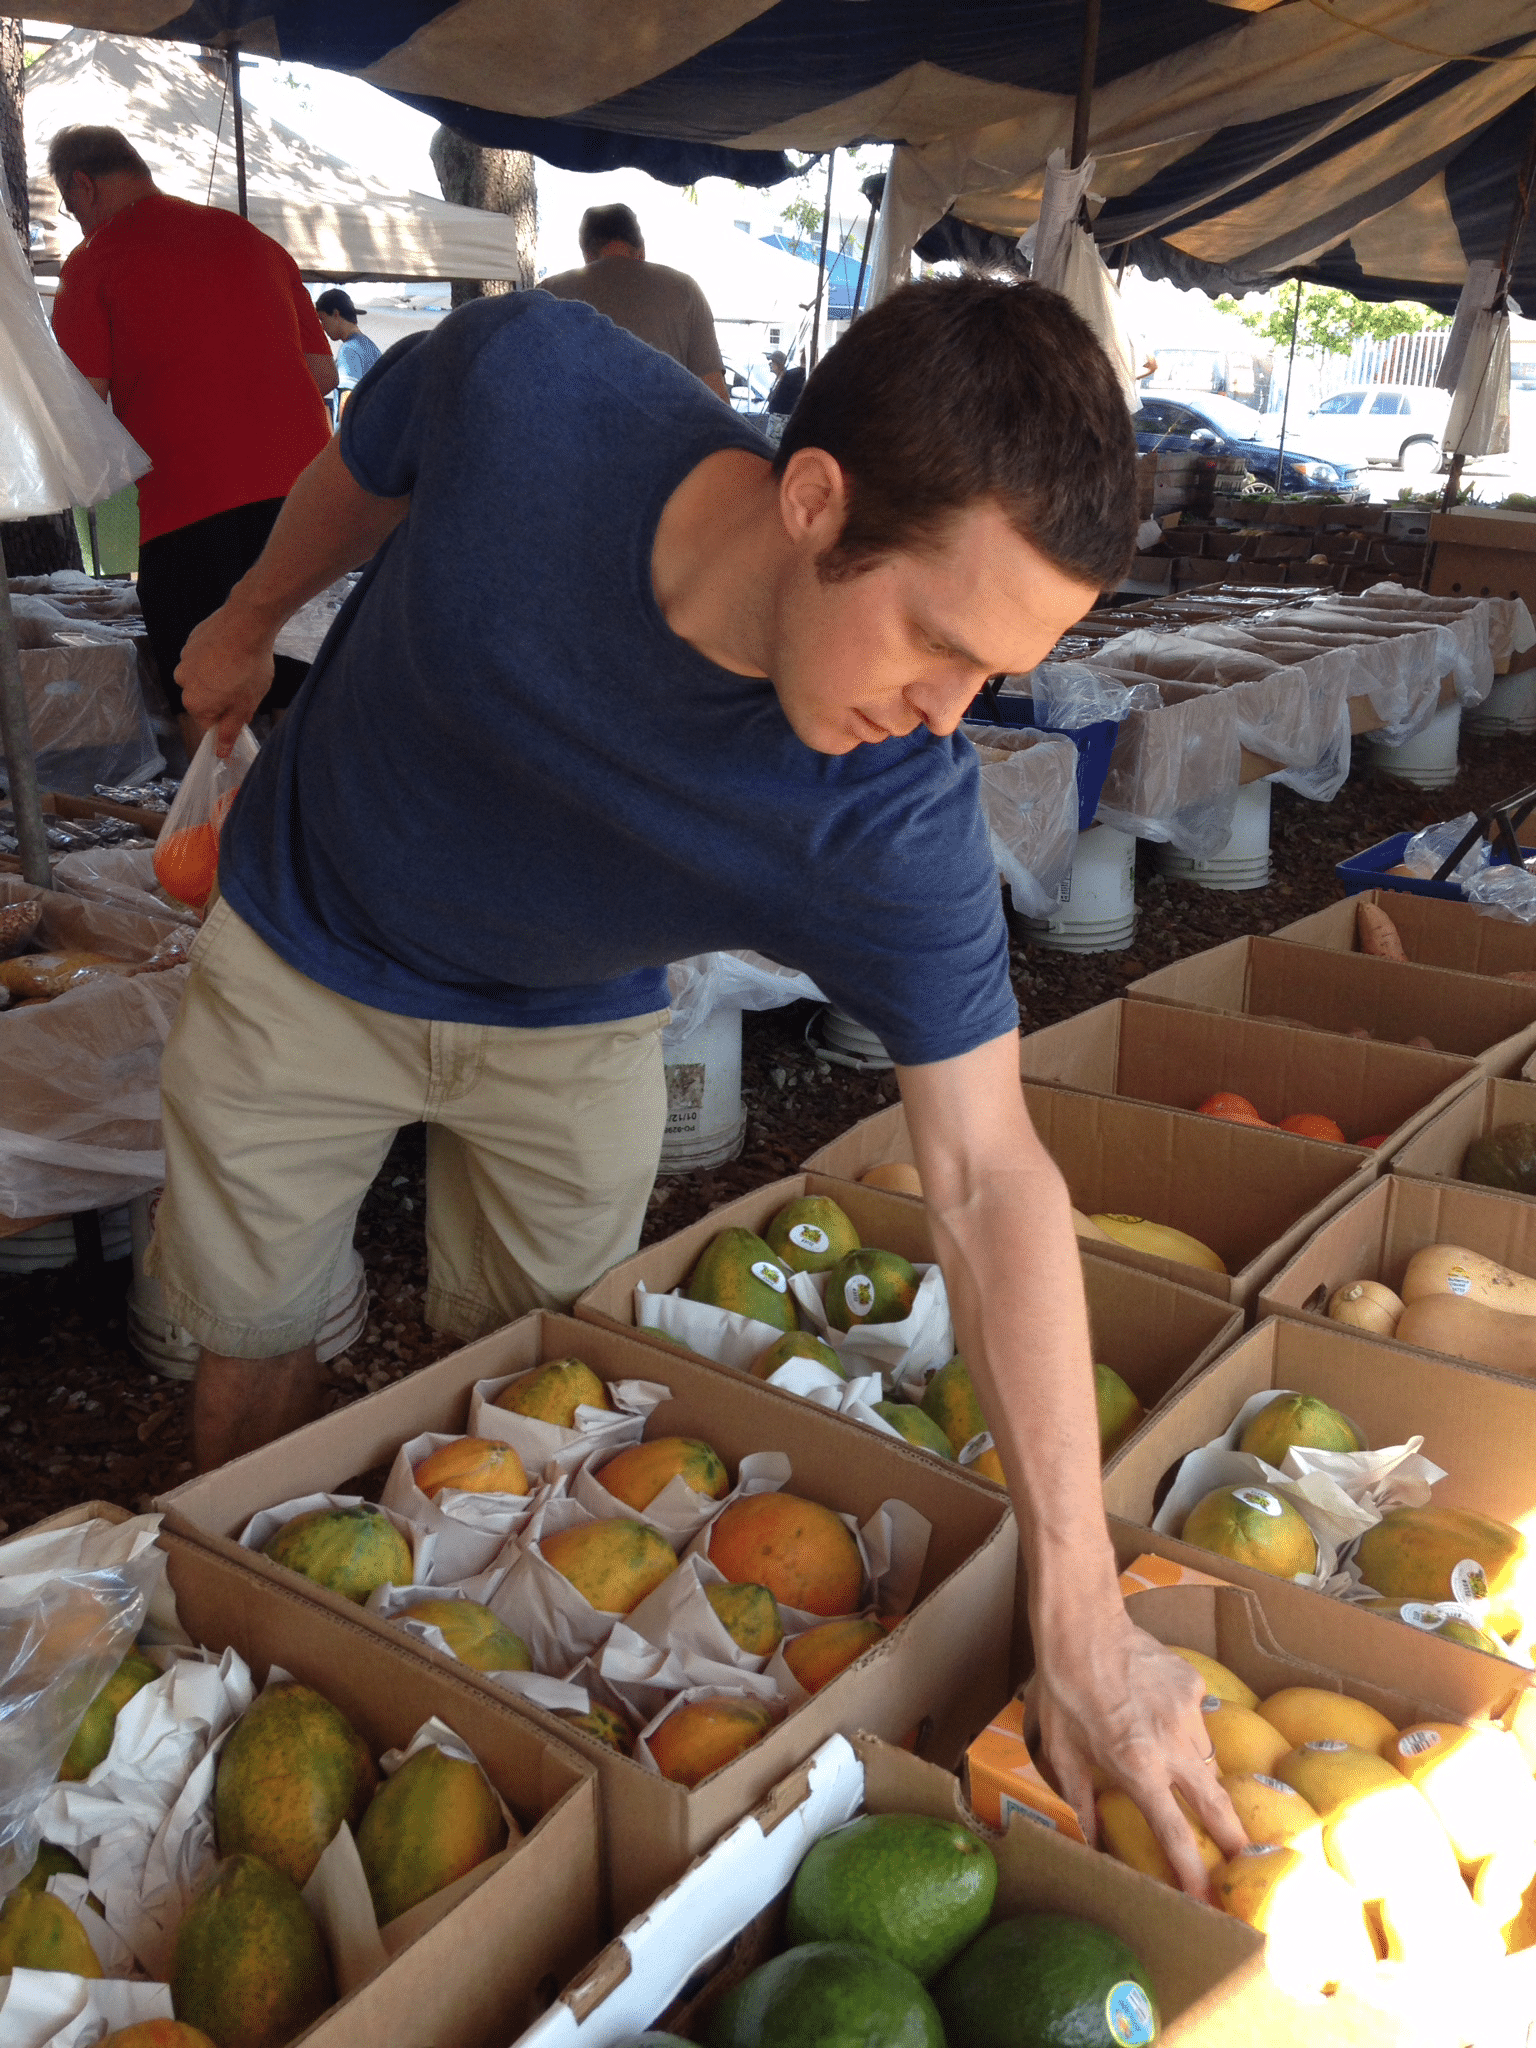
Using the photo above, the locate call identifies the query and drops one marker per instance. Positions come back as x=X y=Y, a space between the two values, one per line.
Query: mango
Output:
x=1126 y=1833
x=1307 y=1713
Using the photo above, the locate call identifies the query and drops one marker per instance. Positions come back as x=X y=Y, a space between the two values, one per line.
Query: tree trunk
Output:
x=496 y=181
x=32 y=547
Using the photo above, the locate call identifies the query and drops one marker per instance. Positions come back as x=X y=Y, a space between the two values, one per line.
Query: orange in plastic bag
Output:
x=187 y=851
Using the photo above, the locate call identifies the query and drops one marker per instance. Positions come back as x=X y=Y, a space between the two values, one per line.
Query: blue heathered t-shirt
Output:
x=508 y=793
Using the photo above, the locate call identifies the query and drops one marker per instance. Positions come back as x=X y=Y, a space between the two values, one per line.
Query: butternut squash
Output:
x=1365 y=1305
x=1452 y=1270
x=1465 y=1329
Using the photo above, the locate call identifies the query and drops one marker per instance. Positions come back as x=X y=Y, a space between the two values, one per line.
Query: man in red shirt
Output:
x=227 y=434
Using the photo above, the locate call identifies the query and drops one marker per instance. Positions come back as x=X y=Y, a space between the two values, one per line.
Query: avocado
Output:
x=811 y=1234
x=870 y=1287
x=907 y=1886
x=920 y=1430
x=1504 y=1158
x=1046 y=1980
x=827 y=1994
x=737 y=1271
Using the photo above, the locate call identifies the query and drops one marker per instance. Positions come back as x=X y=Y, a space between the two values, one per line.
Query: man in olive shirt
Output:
x=661 y=306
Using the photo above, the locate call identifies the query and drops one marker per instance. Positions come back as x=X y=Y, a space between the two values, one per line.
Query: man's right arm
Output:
x=328 y=524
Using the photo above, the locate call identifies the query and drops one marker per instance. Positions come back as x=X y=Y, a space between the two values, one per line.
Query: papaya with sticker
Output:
x=737 y=1271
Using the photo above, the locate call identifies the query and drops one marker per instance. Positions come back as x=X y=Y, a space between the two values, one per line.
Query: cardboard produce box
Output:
x=1439 y=1146
x=1153 y=1333
x=1155 y=1052
x=1281 y=1637
x=1484 y=554
x=1491 y=1022
x=1435 y=933
x=1375 y=1236
x=1479 y=1426
x=1252 y=1196
x=487 y=1968
x=725 y=1916
x=936 y=1672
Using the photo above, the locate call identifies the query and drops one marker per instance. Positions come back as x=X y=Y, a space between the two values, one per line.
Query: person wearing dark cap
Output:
x=355 y=353
x=788 y=384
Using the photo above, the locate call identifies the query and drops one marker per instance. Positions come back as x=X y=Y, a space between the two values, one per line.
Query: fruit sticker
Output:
x=1417 y=1740
x=1469 y=1582
x=1327 y=1745
x=1256 y=1497
x=1129 y=2013
x=1458 y=1280
x=859 y=1293
x=1274 y=1784
x=809 y=1238
x=770 y=1275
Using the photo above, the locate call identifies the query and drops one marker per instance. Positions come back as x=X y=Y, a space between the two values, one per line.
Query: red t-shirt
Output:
x=200 y=323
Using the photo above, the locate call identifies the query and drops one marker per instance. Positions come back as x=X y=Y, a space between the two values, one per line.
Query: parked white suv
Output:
x=1400 y=424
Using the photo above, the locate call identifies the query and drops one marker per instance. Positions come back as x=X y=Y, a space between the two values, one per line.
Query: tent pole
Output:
x=869 y=236
x=233 y=55
x=1285 y=410
x=20 y=761
x=821 y=266
x=1082 y=113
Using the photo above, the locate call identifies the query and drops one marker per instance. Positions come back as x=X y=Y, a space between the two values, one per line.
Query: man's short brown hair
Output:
x=958 y=390
x=601 y=225
x=96 y=151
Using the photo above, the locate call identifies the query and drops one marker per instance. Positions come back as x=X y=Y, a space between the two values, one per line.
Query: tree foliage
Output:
x=1332 y=321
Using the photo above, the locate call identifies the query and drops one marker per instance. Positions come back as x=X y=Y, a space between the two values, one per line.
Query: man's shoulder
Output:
x=563 y=284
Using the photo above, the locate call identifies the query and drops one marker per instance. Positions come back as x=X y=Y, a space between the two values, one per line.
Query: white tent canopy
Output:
x=333 y=219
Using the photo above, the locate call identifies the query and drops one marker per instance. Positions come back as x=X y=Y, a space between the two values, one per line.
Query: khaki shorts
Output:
x=281 y=1100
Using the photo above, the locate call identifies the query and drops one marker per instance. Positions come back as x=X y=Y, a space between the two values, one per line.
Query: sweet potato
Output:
x=1378 y=934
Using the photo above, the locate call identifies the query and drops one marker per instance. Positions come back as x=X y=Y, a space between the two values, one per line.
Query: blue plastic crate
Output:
x=1368 y=870
x=1094 y=743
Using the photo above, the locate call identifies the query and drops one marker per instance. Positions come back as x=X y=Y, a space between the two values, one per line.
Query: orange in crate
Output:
x=1232 y=1109
x=1308 y=1124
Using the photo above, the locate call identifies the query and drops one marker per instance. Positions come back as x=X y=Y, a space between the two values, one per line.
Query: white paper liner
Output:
x=50 y=2009
x=677 y=1512
x=337 y=1895
x=893 y=1547
x=909 y=1350
x=739 y=1691
x=262 y=1527
x=544 y=1447
x=538 y=1689
x=468 y=1529
x=674 y=1640
x=142 y=1822
x=560 y=1625
x=1338 y=1494
x=716 y=1333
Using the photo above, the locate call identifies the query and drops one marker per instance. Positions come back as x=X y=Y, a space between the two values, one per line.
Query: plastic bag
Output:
x=1504 y=891
x=187 y=851
x=729 y=981
x=1029 y=800
x=1070 y=694
x=87 y=714
x=59 y=445
x=1436 y=843
x=71 y=1602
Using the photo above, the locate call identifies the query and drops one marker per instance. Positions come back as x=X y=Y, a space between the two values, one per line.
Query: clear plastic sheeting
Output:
x=1427 y=850
x=80 y=1075
x=708 y=982
x=71 y=1602
x=1029 y=800
x=1509 y=628
x=59 y=445
x=1174 y=773
x=1071 y=694
x=121 y=876
x=1504 y=891
x=87 y=713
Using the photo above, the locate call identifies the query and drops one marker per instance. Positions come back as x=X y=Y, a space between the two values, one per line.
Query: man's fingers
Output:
x=1075 y=1779
x=1212 y=1808
x=1175 y=1835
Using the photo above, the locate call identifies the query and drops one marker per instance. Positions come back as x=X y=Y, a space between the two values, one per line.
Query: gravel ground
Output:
x=81 y=1418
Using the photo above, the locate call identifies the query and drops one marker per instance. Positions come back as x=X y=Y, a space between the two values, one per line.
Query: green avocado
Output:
x=920 y=1430
x=737 y=1271
x=870 y=1287
x=810 y=1235
x=1505 y=1158
x=828 y=1994
x=907 y=1886
x=1046 y=1980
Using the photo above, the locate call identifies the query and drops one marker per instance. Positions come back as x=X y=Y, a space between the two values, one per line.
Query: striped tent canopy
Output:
x=1369 y=143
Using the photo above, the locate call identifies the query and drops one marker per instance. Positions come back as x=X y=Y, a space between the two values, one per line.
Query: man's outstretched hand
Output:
x=1117 y=1699
x=224 y=672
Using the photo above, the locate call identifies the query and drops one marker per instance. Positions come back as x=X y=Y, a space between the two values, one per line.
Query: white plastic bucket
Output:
x=849 y=1043
x=1510 y=706
x=1097 y=897
x=1429 y=759
x=1243 y=863
x=706 y=1124
x=51 y=1246
x=168 y=1349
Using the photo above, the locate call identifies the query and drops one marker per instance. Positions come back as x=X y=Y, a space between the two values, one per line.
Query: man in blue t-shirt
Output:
x=619 y=687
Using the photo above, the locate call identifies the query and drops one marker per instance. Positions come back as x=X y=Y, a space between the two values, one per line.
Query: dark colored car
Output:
x=1195 y=423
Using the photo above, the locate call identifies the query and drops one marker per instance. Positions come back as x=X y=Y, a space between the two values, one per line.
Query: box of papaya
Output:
x=1433 y=933
x=1213 y=1206
x=1384 y=1779
x=1320 y=1459
x=688 y=1575
x=1149 y=1333
x=862 y=1900
x=1368 y=1093
x=1356 y=994
x=263 y=1818
x=1442 y=1265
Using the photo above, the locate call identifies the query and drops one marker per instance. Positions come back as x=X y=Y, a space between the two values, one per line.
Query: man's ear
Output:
x=813 y=498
